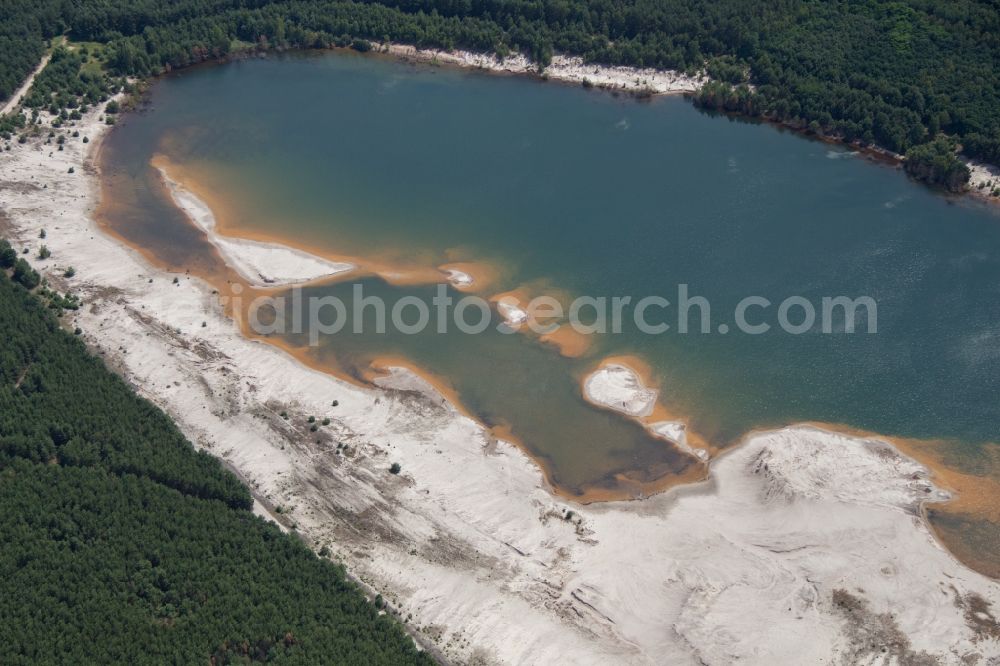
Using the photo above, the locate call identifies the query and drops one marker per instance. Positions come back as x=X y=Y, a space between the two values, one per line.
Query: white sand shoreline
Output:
x=569 y=69
x=469 y=539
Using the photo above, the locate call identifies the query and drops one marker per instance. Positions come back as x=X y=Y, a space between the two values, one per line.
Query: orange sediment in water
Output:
x=484 y=276
x=569 y=342
x=661 y=412
x=391 y=267
x=975 y=495
x=626 y=486
x=238 y=294
x=544 y=307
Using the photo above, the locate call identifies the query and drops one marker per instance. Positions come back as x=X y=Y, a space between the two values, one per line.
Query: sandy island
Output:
x=618 y=387
x=458 y=279
x=803 y=546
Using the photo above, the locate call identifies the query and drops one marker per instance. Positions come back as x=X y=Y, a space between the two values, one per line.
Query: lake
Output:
x=555 y=189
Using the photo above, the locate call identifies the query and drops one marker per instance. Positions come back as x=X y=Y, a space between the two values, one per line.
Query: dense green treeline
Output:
x=895 y=73
x=25 y=27
x=66 y=82
x=121 y=544
x=935 y=164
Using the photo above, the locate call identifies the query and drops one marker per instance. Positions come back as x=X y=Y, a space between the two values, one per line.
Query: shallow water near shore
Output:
x=592 y=195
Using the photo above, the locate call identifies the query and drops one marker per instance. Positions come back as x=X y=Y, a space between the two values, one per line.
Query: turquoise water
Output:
x=595 y=195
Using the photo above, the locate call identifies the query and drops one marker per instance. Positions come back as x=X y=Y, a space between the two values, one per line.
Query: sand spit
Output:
x=512 y=314
x=570 y=69
x=259 y=255
x=676 y=432
x=804 y=546
x=259 y=263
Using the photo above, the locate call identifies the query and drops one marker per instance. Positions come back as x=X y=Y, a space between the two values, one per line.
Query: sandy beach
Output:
x=819 y=532
x=568 y=69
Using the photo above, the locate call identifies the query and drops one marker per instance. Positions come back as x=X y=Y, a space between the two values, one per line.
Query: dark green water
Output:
x=599 y=196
